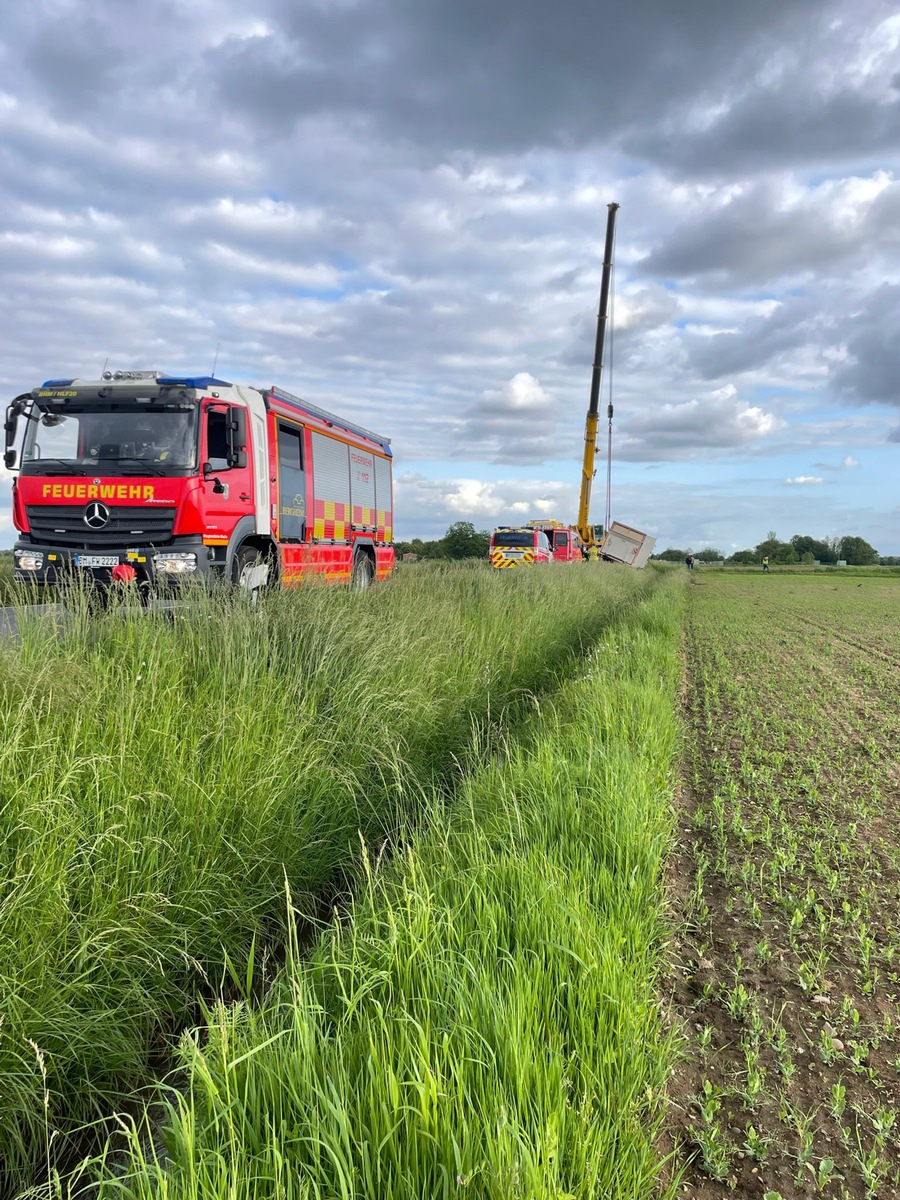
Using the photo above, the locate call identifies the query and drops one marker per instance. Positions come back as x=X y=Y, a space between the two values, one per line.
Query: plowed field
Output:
x=786 y=884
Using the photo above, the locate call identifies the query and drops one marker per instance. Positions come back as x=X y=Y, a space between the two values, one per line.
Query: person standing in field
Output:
x=689 y=562
x=765 y=563
x=593 y=553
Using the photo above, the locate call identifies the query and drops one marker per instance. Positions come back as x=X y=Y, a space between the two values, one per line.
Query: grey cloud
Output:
x=871 y=371
x=775 y=128
x=756 y=236
x=502 y=76
x=791 y=324
x=514 y=424
x=712 y=425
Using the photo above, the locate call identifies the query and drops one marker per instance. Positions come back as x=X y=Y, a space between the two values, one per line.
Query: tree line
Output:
x=801 y=548
x=462 y=540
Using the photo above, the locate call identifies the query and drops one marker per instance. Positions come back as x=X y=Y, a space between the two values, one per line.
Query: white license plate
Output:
x=96 y=560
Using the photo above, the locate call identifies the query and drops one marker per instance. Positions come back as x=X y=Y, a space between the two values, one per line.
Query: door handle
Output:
x=244 y=496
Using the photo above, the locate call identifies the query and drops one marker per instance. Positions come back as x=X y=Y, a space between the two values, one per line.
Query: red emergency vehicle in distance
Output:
x=565 y=541
x=160 y=479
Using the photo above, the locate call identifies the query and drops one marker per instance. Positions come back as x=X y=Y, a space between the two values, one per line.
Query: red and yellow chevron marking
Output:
x=331 y=519
x=499 y=559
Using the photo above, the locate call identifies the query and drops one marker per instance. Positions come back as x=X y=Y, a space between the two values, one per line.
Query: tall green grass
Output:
x=483 y=1022
x=161 y=779
x=8 y=591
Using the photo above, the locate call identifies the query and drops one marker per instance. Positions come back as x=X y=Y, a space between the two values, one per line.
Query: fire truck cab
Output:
x=148 y=478
x=519 y=546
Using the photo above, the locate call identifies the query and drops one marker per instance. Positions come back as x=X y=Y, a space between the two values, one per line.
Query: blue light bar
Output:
x=194 y=381
x=57 y=383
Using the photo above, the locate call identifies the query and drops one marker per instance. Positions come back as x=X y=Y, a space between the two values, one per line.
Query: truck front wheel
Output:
x=252 y=569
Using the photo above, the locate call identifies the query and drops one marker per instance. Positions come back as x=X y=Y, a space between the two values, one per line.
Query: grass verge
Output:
x=161 y=778
x=484 y=1020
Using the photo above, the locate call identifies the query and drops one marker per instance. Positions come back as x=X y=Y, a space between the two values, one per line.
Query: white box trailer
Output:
x=622 y=544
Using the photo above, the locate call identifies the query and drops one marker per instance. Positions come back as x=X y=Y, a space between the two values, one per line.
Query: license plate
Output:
x=96 y=560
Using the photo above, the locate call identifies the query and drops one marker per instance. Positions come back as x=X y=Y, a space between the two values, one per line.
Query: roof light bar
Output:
x=192 y=381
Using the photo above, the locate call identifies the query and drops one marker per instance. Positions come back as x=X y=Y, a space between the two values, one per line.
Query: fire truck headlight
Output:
x=175 y=563
x=28 y=562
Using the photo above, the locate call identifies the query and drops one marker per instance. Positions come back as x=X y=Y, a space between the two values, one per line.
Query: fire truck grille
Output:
x=128 y=525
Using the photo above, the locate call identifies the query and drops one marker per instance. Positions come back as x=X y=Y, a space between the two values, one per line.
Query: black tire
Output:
x=363 y=572
x=247 y=559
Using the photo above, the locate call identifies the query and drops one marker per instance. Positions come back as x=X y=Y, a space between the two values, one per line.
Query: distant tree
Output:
x=743 y=558
x=819 y=549
x=463 y=540
x=435 y=549
x=708 y=554
x=775 y=551
x=767 y=548
x=857 y=553
x=670 y=555
x=808 y=557
x=416 y=546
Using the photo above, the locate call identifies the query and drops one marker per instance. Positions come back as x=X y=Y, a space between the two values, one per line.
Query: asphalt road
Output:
x=11 y=619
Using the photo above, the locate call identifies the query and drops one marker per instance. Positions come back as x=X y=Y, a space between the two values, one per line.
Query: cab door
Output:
x=227 y=490
x=291 y=483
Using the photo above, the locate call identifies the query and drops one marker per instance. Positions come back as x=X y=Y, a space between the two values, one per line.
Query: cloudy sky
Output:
x=397 y=208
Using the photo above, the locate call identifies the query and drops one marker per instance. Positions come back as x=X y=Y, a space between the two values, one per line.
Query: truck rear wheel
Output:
x=363 y=572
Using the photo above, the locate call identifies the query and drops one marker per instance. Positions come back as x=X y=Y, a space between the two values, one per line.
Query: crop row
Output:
x=790 y=958
x=162 y=779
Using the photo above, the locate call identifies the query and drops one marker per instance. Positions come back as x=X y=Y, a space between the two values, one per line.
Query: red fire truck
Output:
x=157 y=479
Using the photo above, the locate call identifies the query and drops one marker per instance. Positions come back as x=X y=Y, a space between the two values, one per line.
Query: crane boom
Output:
x=585 y=529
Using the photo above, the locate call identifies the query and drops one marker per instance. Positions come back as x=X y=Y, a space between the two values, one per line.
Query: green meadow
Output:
x=370 y=880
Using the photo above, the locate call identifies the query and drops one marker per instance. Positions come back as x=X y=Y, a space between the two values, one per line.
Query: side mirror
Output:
x=10 y=426
x=237 y=437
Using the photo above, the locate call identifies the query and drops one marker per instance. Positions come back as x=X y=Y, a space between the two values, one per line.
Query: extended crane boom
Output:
x=585 y=529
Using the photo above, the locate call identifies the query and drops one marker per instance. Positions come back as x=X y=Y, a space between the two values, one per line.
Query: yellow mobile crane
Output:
x=585 y=528
x=620 y=543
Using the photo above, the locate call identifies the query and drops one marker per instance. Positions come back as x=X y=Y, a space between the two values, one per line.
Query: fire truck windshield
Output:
x=112 y=442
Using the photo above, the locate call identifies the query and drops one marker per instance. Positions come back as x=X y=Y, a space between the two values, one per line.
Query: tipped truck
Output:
x=622 y=544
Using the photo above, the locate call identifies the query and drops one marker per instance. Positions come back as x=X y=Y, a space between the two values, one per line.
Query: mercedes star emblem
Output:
x=96 y=515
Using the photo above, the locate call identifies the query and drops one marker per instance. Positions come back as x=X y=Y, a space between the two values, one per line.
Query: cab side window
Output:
x=216 y=440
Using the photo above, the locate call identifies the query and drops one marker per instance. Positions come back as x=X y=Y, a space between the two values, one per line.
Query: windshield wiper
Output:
x=67 y=468
x=145 y=467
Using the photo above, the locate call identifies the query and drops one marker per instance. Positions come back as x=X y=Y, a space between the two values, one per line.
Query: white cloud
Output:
x=804 y=480
x=717 y=423
x=438 y=502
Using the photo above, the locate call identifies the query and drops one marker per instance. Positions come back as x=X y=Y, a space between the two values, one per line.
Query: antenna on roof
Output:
x=105 y=365
x=215 y=360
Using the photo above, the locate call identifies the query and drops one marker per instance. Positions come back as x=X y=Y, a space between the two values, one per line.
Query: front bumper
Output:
x=171 y=566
